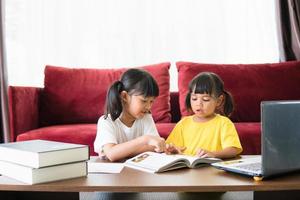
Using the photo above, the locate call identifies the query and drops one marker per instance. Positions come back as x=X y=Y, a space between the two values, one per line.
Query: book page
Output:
x=190 y=159
x=110 y=168
x=152 y=161
x=194 y=160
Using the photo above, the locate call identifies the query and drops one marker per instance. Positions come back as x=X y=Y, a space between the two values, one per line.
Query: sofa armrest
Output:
x=23 y=109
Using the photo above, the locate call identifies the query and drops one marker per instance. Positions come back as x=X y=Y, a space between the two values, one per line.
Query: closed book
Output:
x=160 y=162
x=42 y=153
x=45 y=174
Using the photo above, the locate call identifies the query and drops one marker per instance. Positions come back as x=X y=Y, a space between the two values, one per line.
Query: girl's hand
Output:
x=202 y=153
x=171 y=149
x=156 y=141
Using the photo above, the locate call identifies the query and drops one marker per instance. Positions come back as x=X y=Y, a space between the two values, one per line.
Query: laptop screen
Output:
x=280 y=136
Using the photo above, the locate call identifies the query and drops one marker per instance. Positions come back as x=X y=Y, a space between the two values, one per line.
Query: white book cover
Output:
x=31 y=175
x=159 y=162
x=41 y=153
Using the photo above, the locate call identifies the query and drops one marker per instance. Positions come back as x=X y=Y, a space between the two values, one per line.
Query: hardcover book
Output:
x=42 y=153
x=159 y=162
x=45 y=174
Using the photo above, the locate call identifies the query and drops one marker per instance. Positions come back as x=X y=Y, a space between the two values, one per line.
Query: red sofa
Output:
x=68 y=106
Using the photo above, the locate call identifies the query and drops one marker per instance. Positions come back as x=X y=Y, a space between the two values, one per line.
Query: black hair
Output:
x=134 y=82
x=210 y=83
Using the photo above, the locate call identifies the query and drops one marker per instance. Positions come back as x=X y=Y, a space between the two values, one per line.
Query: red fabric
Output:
x=175 y=111
x=78 y=95
x=250 y=137
x=164 y=129
x=248 y=83
x=23 y=109
x=75 y=133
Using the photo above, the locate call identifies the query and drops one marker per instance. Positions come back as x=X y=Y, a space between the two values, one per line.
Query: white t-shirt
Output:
x=115 y=132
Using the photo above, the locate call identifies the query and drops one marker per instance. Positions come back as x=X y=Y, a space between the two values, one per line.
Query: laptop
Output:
x=280 y=147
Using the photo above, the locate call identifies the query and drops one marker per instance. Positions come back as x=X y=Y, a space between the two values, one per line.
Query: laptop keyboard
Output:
x=251 y=166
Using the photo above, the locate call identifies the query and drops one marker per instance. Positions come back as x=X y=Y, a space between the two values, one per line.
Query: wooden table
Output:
x=205 y=179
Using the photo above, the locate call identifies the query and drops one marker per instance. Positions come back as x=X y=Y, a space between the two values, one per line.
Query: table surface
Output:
x=205 y=179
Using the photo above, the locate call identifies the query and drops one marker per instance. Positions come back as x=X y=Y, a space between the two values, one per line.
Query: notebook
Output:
x=280 y=125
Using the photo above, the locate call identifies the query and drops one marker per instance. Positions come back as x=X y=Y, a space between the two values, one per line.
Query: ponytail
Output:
x=113 y=101
x=227 y=104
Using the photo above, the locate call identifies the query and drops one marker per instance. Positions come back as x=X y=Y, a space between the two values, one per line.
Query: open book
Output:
x=159 y=162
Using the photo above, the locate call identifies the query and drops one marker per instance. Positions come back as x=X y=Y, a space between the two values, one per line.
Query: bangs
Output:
x=147 y=87
x=203 y=85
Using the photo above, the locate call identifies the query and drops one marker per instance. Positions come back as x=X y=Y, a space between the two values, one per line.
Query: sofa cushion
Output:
x=76 y=133
x=249 y=134
x=77 y=95
x=248 y=83
x=250 y=137
x=164 y=129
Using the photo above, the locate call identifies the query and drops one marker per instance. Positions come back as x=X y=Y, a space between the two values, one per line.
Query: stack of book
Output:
x=39 y=161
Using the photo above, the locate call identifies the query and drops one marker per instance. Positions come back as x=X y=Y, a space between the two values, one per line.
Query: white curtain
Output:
x=4 y=127
x=125 y=33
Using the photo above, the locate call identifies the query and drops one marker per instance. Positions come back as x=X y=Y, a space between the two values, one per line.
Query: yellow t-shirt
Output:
x=213 y=135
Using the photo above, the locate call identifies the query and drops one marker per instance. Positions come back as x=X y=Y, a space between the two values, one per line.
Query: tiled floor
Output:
x=166 y=195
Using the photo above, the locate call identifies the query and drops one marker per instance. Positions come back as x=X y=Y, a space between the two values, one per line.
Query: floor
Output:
x=166 y=195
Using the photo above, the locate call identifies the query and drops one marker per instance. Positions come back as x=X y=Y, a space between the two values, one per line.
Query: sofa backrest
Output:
x=175 y=111
x=77 y=95
x=249 y=84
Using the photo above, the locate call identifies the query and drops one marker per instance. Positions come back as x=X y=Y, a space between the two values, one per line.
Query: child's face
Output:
x=204 y=105
x=138 y=105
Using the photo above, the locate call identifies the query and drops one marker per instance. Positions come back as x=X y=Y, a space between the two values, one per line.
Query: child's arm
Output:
x=133 y=147
x=228 y=152
x=175 y=140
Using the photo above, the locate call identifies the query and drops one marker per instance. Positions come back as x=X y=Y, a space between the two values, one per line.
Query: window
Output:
x=117 y=33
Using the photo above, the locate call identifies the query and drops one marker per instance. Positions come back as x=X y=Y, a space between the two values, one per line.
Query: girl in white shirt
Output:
x=127 y=128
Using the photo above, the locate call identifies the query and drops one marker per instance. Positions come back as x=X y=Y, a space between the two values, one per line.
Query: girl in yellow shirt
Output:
x=208 y=132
